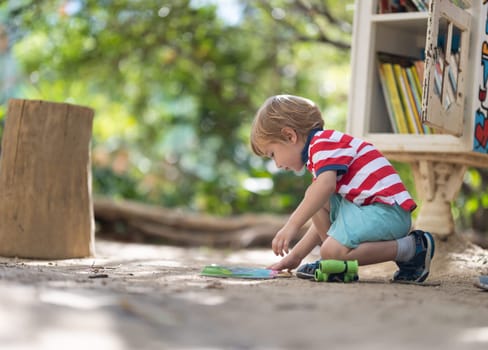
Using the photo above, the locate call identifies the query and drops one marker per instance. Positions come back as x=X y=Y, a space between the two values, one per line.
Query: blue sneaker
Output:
x=417 y=268
x=307 y=271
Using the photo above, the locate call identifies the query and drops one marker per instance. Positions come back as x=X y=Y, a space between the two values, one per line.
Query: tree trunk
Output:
x=45 y=181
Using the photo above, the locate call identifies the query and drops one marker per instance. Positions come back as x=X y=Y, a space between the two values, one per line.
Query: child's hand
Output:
x=281 y=241
x=289 y=262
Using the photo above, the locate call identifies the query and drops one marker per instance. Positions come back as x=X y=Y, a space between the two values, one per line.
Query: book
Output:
x=394 y=94
x=417 y=87
x=384 y=6
x=408 y=5
x=395 y=6
x=414 y=98
x=401 y=84
x=443 y=88
x=407 y=108
x=449 y=88
x=438 y=78
x=420 y=67
x=420 y=5
x=386 y=94
x=453 y=71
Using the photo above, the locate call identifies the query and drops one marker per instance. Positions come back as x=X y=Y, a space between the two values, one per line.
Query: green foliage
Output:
x=175 y=86
x=470 y=207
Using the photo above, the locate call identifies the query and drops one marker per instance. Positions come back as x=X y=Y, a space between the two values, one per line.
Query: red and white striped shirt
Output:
x=364 y=175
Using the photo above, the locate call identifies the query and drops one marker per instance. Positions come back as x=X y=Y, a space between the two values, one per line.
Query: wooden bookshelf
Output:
x=455 y=143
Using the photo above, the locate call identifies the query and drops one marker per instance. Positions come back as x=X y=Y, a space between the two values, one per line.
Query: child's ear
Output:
x=289 y=134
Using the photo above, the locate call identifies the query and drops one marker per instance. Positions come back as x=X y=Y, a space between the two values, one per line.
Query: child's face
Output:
x=286 y=156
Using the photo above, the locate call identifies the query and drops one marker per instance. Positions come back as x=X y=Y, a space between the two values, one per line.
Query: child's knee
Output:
x=331 y=249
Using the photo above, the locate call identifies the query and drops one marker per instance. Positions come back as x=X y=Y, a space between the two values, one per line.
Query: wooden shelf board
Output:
x=401 y=17
x=409 y=148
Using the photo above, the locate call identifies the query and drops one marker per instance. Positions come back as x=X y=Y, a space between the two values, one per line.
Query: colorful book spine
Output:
x=402 y=87
x=420 y=5
x=453 y=71
x=443 y=87
x=419 y=72
x=394 y=6
x=407 y=76
x=386 y=94
x=420 y=67
x=395 y=98
x=418 y=93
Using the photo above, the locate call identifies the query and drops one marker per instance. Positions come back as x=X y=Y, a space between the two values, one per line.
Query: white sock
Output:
x=405 y=248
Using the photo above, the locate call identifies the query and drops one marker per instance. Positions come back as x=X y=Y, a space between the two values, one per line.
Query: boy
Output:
x=359 y=207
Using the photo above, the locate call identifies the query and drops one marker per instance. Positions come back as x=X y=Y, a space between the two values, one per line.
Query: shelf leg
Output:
x=438 y=184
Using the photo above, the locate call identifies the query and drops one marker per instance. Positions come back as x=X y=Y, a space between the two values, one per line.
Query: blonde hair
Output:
x=280 y=111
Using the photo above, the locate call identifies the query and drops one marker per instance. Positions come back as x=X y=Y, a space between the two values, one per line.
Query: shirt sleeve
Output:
x=329 y=155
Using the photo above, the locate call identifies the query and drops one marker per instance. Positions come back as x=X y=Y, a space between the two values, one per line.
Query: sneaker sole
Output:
x=429 y=254
x=307 y=267
x=305 y=276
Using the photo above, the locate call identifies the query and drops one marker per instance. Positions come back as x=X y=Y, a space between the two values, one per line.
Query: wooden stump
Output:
x=46 y=206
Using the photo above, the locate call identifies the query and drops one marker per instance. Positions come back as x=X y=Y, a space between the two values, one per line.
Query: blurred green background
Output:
x=175 y=85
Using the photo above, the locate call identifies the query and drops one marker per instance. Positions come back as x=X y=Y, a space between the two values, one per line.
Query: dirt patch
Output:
x=152 y=297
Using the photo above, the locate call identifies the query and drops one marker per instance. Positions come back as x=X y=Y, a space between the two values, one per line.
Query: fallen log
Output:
x=140 y=221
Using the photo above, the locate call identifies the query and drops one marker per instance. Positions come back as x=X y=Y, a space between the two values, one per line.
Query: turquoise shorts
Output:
x=352 y=224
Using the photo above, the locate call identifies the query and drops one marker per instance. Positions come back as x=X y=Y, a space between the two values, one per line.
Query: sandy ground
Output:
x=151 y=297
